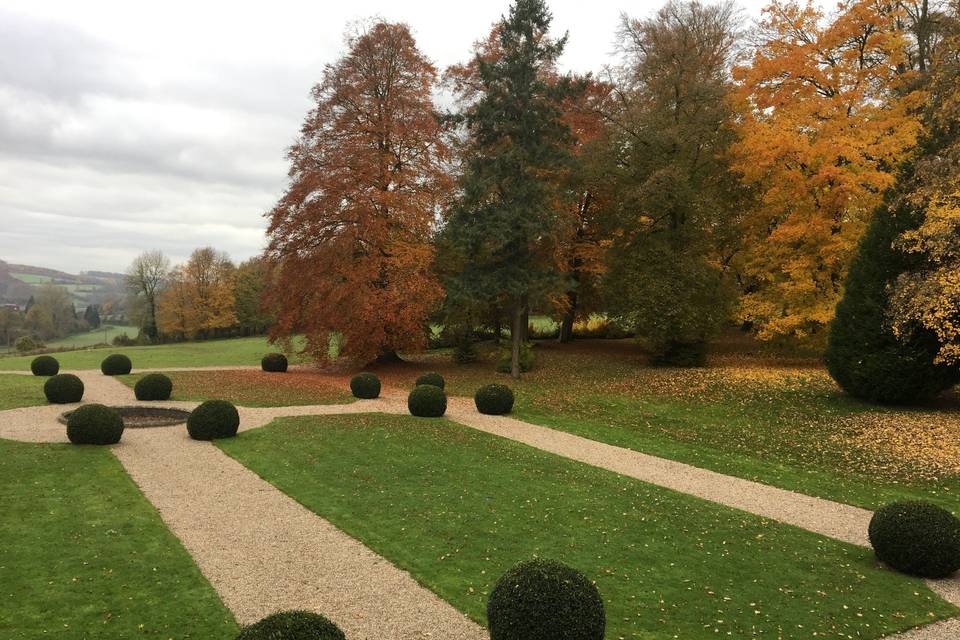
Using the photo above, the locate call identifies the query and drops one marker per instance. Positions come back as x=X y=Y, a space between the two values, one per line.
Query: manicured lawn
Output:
x=210 y=353
x=85 y=555
x=456 y=507
x=781 y=423
x=256 y=388
x=21 y=391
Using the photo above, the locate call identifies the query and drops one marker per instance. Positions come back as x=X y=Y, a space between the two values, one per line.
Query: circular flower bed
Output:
x=116 y=364
x=140 y=416
x=213 y=419
x=545 y=600
x=494 y=399
x=94 y=424
x=274 y=363
x=365 y=386
x=63 y=388
x=153 y=386
x=427 y=401
x=918 y=538
x=45 y=366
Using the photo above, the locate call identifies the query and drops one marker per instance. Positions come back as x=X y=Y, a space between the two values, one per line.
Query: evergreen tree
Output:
x=92 y=316
x=501 y=236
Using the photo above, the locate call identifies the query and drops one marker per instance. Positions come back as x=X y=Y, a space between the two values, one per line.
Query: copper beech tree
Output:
x=350 y=240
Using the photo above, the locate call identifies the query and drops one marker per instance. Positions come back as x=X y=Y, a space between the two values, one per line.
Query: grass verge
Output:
x=457 y=507
x=21 y=391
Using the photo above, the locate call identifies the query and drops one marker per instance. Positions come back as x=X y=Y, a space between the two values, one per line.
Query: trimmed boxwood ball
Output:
x=432 y=378
x=116 y=364
x=63 y=388
x=153 y=386
x=494 y=399
x=365 y=386
x=45 y=366
x=94 y=424
x=292 y=625
x=274 y=363
x=545 y=600
x=917 y=538
x=427 y=401
x=213 y=419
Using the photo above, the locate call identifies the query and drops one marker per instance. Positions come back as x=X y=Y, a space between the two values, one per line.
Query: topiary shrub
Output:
x=153 y=386
x=494 y=399
x=432 y=378
x=526 y=359
x=292 y=625
x=918 y=538
x=863 y=355
x=274 y=363
x=545 y=600
x=116 y=364
x=94 y=424
x=365 y=386
x=45 y=366
x=213 y=419
x=427 y=401
x=63 y=388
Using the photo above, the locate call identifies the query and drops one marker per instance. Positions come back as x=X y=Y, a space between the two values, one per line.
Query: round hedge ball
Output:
x=45 y=366
x=63 y=388
x=213 y=419
x=116 y=364
x=432 y=378
x=365 y=386
x=153 y=386
x=292 y=625
x=917 y=538
x=94 y=424
x=545 y=600
x=494 y=399
x=427 y=401
x=274 y=363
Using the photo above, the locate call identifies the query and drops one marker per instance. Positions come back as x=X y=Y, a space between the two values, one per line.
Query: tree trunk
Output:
x=516 y=336
x=566 y=325
x=525 y=323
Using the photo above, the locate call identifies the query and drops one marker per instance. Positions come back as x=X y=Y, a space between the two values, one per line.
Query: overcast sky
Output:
x=127 y=126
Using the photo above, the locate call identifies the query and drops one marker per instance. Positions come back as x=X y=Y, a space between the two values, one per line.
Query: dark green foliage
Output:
x=26 y=343
x=433 y=378
x=292 y=625
x=365 y=386
x=94 y=424
x=918 y=538
x=863 y=355
x=154 y=386
x=494 y=399
x=497 y=246
x=116 y=364
x=45 y=366
x=92 y=316
x=63 y=389
x=274 y=363
x=213 y=419
x=680 y=354
x=464 y=349
x=427 y=401
x=527 y=359
x=545 y=600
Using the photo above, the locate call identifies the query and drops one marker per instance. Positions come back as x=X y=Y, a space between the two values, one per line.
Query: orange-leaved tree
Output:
x=824 y=118
x=349 y=241
x=198 y=298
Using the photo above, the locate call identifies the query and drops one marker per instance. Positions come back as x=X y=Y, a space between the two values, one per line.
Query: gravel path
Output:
x=227 y=516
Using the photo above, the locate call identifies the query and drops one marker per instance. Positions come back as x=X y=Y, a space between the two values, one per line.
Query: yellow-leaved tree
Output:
x=824 y=118
x=198 y=299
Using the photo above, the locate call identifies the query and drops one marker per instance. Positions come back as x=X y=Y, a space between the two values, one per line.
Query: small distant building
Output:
x=11 y=306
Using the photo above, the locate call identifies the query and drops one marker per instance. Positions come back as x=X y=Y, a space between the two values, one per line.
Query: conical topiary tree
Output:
x=863 y=355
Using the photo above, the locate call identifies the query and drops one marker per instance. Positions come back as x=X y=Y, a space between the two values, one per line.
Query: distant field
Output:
x=80 y=340
x=212 y=353
x=31 y=278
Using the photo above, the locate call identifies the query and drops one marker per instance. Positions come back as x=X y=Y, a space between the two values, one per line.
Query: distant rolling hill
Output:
x=19 y=281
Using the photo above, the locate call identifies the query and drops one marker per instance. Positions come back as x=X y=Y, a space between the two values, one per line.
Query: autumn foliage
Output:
x=825 y=117
x=349 y=241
